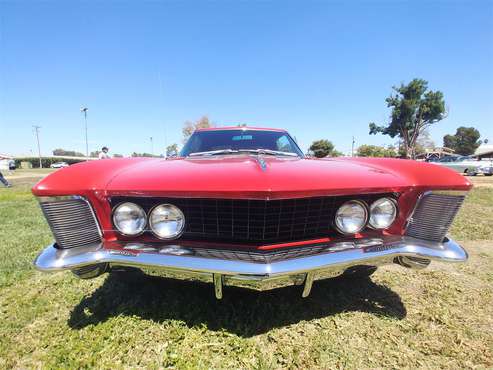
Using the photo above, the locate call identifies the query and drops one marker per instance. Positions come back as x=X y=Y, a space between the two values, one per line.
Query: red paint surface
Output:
x=240 y=177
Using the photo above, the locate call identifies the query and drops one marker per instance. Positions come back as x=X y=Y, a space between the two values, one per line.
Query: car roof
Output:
x=240 y=128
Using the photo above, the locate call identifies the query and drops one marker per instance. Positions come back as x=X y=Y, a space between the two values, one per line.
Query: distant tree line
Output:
x=465 y=141
x=67 y=153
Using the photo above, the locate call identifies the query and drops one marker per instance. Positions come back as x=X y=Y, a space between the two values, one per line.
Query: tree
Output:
x=67 y=153
x=134 y=154
x=323 y=148
x=94 y=154
x=189 y=127
x=117 y=155
x=376 y=151
x=172 y=150
x=424 y=142
x=414 y=108
x=464 y=142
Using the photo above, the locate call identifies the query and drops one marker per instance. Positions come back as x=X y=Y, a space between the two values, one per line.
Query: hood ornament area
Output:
x=261 y=162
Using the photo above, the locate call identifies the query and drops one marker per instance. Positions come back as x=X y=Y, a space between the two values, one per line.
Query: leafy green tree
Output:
x=323 y=148
x=189 y=127
x=376 y=151
x=172 y=150
x=414 y=108
x=67 y=153
x=134 y=154
x=464 y=142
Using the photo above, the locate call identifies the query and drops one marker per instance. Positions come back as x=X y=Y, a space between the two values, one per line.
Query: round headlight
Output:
x=382 y=213
x=129 y=218
x=166 y=221
x=351 y=217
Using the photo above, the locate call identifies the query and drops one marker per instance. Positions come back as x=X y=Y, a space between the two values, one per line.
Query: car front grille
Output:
x=249 y=221
x=433 y=216
x=71 y=220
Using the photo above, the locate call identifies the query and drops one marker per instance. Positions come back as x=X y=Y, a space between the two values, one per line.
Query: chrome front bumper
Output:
x=262 y=272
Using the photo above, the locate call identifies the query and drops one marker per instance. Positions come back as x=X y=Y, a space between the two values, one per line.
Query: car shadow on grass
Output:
x=243 y=312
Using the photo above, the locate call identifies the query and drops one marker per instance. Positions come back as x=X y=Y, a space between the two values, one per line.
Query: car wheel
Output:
x=358 y=272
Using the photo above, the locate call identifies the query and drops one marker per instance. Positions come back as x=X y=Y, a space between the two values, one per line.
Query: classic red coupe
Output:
x=243 y=206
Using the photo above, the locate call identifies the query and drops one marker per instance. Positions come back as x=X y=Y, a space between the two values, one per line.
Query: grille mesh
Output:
x=433 y=216
x=243 y=220
x=72 y=222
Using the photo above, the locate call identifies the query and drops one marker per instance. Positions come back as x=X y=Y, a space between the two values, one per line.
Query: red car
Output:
x=243 y=206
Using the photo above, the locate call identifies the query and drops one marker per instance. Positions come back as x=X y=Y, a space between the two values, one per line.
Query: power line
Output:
x=36 y=130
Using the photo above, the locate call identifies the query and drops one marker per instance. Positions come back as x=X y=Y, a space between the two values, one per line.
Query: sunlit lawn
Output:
x=440 y=317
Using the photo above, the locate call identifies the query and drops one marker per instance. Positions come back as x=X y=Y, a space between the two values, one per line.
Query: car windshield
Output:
x=216 y=142
x=449 y=159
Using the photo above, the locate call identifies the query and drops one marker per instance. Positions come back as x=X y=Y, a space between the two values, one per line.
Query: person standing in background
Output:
x=4 y=181
x=104 y=153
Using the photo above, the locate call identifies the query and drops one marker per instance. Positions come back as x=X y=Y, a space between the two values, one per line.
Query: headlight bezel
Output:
x=115 y=224
x=373 y=204
x=151 y=228
x=365 y=208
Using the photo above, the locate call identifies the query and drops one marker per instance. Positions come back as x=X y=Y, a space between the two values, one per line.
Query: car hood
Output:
x=248 y=176
x=268 y=177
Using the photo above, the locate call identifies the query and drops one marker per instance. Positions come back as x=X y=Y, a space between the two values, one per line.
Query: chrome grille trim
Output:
x=433 y=215
x=71 y=220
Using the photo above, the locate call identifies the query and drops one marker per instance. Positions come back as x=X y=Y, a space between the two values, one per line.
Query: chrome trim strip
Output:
x=450 y=192
x=58 y=198
x=52 y=199
x=252 y=275
x=54 y=259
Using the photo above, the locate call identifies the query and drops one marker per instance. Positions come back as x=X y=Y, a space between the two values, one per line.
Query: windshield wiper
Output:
x=253 y=151
x=269 y=152
x=213 y=152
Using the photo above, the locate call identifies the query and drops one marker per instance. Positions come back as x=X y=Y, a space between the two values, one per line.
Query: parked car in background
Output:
x=12 y=165
x=486 y=168
x=59 y=165
x=245 y=207
x=468 y=165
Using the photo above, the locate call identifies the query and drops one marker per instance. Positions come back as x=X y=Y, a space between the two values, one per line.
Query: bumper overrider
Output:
x=255 y=270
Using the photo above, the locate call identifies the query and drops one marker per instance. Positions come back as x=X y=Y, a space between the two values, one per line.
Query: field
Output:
x=441 y=317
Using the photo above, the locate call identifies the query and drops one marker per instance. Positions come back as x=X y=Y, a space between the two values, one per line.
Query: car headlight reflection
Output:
x=351 y=217
x=382 y=213
x=167 y=221
x=129 y=219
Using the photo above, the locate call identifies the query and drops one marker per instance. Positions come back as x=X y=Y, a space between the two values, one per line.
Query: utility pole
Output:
x=36 y=130
x=84 y=110
x=352 y=148
x=152 y=146
x=161 y=96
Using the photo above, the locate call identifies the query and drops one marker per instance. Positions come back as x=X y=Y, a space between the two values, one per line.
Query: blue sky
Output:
x=319 y=69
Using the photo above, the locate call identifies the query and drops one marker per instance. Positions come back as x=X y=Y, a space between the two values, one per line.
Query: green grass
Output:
x=440 y=317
